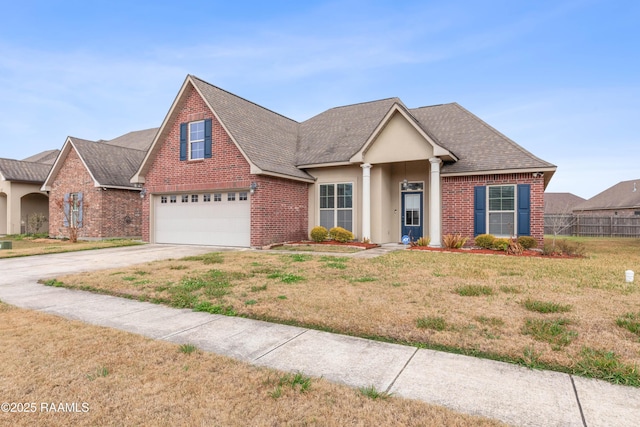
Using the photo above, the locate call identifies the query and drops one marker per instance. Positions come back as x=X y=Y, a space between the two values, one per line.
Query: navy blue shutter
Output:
x=207 y=139
x=183 y=141
x=479 y=210
x=67 y=210
x=79 y=224
x=524 y=210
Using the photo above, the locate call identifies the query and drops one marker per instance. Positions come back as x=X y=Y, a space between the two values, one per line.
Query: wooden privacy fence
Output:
x=592 y=226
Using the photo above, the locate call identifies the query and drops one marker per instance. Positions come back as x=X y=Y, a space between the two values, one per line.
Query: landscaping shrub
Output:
x=453 y=241
x=527 y=242
x=514 y=247
x=501 y=244
x=339 y=234
x=423 y=241
x=564 y=247
x=485 y=241
x=319 y=234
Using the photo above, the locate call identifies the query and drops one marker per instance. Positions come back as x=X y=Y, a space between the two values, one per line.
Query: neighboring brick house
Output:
x=20 y=195
x=623 y=200
x=89 y=187
x=222 y=170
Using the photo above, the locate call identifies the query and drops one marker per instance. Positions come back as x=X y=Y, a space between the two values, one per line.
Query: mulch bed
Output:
x=526 y=252
x=333 y=243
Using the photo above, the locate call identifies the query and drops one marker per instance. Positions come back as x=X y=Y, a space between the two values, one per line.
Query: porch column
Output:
x=435 y=204
x=366 y=201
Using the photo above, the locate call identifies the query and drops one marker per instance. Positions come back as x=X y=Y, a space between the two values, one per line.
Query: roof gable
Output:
x=623 y=195
x=267 y=140
x=560 y=203
x=398 y=137
x=108 y=165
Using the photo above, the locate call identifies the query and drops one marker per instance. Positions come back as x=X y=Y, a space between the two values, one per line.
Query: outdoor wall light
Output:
x=405 y=184
x=253 y=187
x=143 y=193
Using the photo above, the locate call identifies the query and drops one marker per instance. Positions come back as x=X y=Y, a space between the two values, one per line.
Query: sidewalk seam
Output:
x=164 y=338
x=401 y=370
x=575 y=391
x=278 y=346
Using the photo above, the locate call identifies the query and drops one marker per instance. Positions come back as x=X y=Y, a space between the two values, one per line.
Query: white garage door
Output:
x=218 y=219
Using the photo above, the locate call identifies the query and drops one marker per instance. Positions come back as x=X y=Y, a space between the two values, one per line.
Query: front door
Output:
x=412 y=217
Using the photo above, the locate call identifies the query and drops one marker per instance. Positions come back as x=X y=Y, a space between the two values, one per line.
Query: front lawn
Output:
x=58 y=372
x=35 y=245
x=573 y=315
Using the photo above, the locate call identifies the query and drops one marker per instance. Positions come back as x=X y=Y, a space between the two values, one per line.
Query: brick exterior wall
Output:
x=274 y=205
x=458 y=209
x=106 y=214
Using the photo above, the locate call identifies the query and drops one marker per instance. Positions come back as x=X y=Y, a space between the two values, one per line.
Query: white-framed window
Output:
x=206 y=197
x=231 y=197
x=173 y=199
x=501 y=203
x=194 y=198
x=196 y=140
x=243 y=196
x=74 y=209
x=163 y=199
x=185 y=198
x=336 y=205
x=217 y=197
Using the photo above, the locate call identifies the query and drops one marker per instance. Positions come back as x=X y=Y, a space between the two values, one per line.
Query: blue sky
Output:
x=561 y=78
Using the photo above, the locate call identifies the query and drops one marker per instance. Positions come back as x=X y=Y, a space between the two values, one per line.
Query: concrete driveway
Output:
x=513 y=394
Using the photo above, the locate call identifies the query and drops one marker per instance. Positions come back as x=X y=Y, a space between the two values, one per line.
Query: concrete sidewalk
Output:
x=510 y=393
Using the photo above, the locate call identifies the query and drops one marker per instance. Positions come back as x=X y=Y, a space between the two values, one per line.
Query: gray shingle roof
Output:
x=22 y=171
x=110 y=165
x=625 y=194
x=337 y=134
x=138 y=140
x=560 y=203
x=47 y=157
x=267 y=138
x=478 y=146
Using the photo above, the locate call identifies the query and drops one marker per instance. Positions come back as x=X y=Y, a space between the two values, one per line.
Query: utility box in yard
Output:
x=6 y=245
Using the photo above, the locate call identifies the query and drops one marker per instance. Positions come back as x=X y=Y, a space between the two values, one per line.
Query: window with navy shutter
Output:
x=183 y=141
x=196 y=140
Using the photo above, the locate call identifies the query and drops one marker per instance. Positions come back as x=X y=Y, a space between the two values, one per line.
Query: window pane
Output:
x=501 y=223
x=345 y=219
x=231 y=197
x=502 y=198
x=327 y=196
x=326 y=219
x=197 y=150
x=345 y=196
x=196 y=131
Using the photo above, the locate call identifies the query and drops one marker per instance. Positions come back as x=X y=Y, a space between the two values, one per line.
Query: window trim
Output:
x=190 y=142
x=514 y=211
x=335 y=207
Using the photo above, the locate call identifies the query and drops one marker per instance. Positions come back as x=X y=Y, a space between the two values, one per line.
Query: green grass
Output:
x=474 y=290
x=372 y=393
x=631 y=322
x=433 y=323
x=285 y=277
x=187 y=348
x=297 y=381
x=546 y=306
x=607 y=366
x=210 y=258
x=208 y=307
x=554 y=332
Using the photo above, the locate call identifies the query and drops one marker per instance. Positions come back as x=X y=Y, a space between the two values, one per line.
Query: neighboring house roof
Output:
x=23 y=171
x=274 y=144
x=109 y=165
x=623 y=195
x=47 y=157
x=560 y=203
x=138 y=140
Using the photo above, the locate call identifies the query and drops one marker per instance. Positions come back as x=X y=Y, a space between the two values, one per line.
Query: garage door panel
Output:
x=221 y=223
